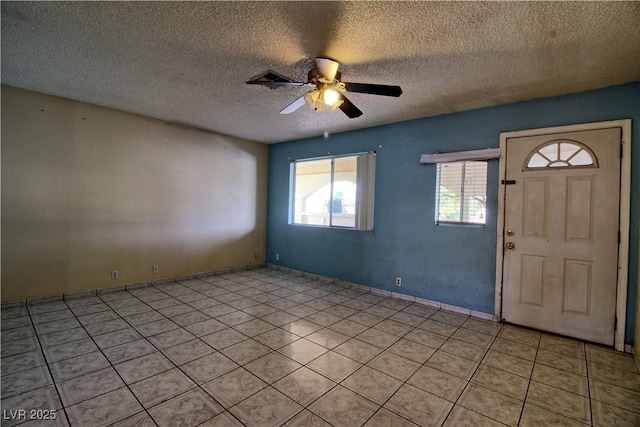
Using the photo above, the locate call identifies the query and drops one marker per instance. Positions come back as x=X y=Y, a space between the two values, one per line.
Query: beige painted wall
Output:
x=87 y=190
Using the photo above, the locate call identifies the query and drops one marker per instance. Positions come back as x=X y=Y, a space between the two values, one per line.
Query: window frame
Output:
x=363 y=221
x=565 y=163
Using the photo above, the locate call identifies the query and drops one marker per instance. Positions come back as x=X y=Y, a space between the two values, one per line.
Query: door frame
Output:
x=625 y=212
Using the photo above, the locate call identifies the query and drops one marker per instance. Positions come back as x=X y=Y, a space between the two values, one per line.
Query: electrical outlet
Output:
x=398 y=281
x=115 y=274
x=277 y=257
x=156 y=269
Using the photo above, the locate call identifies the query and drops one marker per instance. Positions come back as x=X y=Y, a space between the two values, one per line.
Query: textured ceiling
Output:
x=188 y=62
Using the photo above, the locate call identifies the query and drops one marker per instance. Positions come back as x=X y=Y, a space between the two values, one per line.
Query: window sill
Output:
x=329 y=227
x=464 y=224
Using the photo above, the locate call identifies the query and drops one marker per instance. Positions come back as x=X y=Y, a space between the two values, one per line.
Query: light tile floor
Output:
x=267 y=348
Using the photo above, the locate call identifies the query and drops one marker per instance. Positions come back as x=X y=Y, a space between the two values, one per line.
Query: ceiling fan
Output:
x=328 y=89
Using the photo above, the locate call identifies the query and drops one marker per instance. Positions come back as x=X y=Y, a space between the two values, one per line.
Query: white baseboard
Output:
x=389 y=294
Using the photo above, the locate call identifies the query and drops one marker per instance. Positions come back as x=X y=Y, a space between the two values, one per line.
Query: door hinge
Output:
x=615 y=323
x=621 y=150
x=619 y=238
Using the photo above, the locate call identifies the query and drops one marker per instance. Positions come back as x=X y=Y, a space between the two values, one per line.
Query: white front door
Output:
x=561 y=222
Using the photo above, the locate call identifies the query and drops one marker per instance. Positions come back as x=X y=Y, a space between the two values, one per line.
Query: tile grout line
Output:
x=304 y=407
x=398 y=338
x=161 y=351
x=110 y=308
x=468 y=382
x=198 y=386
x=337 y=384
x=586 y=362
x=349 y=338
x=388 y=317
x=110 y=364
x=250 y=283
x=196 y=337
x=53 y=381
x=421 y=365
x=407 y=380
x=271 y=350
x=533 y=367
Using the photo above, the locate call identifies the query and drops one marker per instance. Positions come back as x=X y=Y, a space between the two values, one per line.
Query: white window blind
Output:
x=461 y=192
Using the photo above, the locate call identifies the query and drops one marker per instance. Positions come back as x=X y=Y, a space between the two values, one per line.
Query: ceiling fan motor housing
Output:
x=315 y=76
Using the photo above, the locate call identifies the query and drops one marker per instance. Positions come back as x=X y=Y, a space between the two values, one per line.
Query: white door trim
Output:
x=625 y=212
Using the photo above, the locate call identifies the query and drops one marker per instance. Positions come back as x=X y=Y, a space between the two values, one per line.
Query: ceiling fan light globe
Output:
x=331 y=97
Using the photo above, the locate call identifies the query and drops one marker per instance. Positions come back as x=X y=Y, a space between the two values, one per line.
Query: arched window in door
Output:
x=561 y=153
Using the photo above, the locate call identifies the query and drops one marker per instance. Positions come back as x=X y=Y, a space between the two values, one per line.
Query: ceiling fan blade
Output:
x=299 y=102
x=348 y=108
x=275 y=84
x=327 y=67
x=373 y=89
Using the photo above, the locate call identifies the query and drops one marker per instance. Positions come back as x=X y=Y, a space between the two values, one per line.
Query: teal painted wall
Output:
x=451 y=264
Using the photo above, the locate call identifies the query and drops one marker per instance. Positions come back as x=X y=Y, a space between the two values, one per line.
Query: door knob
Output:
x=510 y=245
x=511 y=232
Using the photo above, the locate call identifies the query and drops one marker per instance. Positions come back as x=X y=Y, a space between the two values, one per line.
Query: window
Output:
x=461 y=192
x=563 y=153
x=334 y=191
